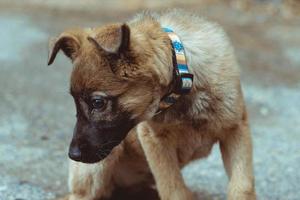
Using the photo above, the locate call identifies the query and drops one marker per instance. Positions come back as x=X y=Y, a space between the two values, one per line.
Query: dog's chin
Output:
x=90 y=159
x=94 y=156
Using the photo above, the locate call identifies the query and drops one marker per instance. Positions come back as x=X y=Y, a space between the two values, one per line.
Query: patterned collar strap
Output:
x=183 y=79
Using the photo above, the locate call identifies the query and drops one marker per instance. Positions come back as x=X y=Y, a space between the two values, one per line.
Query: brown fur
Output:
x=158 y=147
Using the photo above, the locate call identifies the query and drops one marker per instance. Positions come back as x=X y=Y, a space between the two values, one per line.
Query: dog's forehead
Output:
x=91 y=75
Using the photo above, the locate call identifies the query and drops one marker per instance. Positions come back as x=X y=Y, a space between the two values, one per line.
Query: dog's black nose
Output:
x=75 y=153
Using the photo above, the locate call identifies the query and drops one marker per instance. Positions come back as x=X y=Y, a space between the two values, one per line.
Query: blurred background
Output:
x=37 y=115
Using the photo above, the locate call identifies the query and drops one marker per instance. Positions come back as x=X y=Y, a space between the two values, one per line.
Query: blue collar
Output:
x=182 y=78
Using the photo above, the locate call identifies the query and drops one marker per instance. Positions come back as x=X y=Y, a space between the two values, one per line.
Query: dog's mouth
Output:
x=91 y=145
x=92 y=155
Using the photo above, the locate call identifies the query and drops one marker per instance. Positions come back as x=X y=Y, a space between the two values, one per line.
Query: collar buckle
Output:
x=184 y=83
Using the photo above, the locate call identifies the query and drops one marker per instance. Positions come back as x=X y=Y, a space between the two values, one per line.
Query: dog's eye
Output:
x=98 y=102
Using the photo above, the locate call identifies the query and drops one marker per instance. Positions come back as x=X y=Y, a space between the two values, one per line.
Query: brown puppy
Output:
x=121 y=73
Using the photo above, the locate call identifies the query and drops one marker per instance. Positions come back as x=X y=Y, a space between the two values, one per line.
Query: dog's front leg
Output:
x=90 y=181
x=161 y=156
x=236 y=148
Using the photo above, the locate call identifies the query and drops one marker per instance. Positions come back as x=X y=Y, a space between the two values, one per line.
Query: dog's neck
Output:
x=147 y=32
x=182 y=81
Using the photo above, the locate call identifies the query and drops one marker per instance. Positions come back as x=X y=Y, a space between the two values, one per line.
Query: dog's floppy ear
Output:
x=66 y=42
x=113 y=39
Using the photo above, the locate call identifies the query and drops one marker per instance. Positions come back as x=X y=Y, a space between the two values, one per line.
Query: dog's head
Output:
x=114 y=85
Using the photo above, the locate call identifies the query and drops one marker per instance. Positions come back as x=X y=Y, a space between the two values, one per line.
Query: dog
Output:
x=141 y=117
